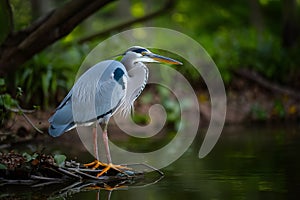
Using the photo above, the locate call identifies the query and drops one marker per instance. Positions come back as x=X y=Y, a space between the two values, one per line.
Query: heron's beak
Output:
x=163 y=59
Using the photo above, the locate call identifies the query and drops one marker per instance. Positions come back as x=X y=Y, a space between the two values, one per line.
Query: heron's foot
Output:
x=105 y=167
x=118 y=168
x=95 y=164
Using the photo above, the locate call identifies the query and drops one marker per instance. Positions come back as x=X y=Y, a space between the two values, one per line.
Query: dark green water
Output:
x=248 y=162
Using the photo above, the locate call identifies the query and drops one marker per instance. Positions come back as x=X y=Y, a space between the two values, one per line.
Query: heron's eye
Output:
x=139 y=50
x=144 y=53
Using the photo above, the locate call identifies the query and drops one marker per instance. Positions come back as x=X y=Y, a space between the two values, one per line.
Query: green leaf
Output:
x=2 y=82
x=34 y=156
x=27 y=156
x=19 y=92
x=7 y=101
x=60 y=160
x=137 y=9
x=37 y=107
x=2 y=166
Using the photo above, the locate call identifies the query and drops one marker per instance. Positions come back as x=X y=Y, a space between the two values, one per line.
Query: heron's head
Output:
x=141 y=54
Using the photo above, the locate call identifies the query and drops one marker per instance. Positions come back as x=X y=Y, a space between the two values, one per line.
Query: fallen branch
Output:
x=257 y=78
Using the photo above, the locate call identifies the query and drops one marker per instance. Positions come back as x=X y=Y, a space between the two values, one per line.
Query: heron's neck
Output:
x=128 y=63
x=131 y=66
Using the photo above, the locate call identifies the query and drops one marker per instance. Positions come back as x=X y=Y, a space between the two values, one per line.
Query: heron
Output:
x=106 y=88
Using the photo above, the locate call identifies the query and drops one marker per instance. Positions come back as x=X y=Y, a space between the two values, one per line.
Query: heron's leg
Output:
x=105 y=140
x=95 y=141
x=95 y=164
x=109 y=166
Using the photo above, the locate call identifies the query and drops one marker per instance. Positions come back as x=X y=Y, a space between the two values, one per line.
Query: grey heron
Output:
x=106 y=88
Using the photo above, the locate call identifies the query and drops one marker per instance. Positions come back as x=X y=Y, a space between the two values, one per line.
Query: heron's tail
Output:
x=61 y=121
x=56 y=131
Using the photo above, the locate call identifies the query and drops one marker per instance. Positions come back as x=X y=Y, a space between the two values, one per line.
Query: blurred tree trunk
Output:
x=123 y=9
x=6 y=20
x=18 y=47
x=256 y=16
x=290 y=32
x=40 y=8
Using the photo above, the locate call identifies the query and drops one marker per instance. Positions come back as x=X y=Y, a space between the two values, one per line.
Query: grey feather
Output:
x=95 y=95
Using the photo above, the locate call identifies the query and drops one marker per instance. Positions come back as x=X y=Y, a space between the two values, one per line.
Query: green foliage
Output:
x=140 y=118
x=49 y=73
x=137 y=9
x=171 y=106
x=5 y=20
x=231 y=49
x=228 y=34
x=60 y=159
x=2 y=166
x=167 y=100
x=6 y=101
x=22 y=12
x=279 y=109
x=259 y=113
x=29 y=157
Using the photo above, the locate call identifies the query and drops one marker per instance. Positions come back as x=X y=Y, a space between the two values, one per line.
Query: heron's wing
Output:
x=96 y=94
x=65 y=100
x=62 y=120
x=109 y=97
x=99 y=92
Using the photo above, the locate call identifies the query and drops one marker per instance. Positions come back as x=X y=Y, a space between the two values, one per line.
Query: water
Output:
x=248 y=162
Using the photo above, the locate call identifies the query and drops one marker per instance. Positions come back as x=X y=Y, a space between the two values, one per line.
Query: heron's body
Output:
x=92 y=97
x=104 y=89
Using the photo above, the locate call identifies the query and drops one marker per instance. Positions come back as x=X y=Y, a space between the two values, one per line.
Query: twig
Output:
x=86 y=170
x=18 y=110
x=43 y=178
x=66 y=172
x=46 y=183
x=26 y=182
x=88 y=175
x=28 y=120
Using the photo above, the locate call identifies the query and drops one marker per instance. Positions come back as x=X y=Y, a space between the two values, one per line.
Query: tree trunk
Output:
x=256 y=16
x=21 y=46
x=290 y=32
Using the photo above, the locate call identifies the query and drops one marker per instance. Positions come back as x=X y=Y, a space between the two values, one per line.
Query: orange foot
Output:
x=107 y=167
